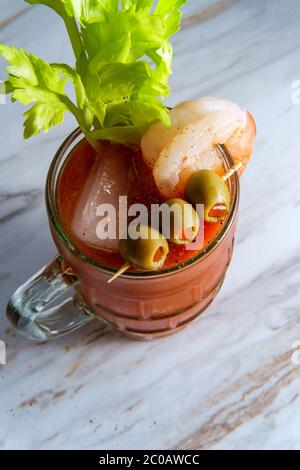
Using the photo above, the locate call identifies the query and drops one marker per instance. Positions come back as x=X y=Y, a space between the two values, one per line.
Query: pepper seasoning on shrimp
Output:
x=189 y=145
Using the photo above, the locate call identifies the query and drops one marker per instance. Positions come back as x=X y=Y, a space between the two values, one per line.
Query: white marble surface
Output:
x=228 y=382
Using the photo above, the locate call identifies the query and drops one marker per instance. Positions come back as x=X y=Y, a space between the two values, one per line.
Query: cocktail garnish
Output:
x=147 y=252
x=209 y=189
x=123 y=60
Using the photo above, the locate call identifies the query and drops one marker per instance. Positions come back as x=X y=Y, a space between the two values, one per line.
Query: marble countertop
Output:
x=232 y=380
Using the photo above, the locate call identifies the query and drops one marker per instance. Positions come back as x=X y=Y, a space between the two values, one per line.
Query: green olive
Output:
x=148 y=252
x=207 y=188
x=180 y=222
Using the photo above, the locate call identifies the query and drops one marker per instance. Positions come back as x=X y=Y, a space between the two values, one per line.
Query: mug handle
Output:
x=30 y=310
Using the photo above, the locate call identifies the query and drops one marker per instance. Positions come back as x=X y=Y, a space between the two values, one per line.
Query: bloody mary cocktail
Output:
x=143 y=305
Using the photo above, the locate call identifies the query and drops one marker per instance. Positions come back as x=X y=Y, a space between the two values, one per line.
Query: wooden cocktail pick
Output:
x=232 y=170
x=122 y=270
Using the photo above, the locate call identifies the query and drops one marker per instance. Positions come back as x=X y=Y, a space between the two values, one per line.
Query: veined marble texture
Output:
x=228 y=381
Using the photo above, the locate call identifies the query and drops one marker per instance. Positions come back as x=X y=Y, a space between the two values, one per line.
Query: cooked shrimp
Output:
x=190 y=144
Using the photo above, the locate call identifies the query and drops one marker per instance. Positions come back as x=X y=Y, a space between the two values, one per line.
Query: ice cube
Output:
x=108 y=179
